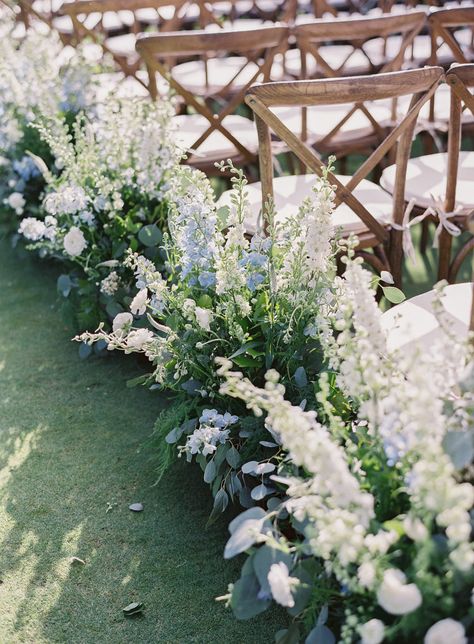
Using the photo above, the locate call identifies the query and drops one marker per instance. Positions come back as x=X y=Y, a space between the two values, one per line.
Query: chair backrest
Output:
x=454 y=28
x=460 y=78
x=420 y=84
x=311 y=39
x=257 y=47
x=181 y=10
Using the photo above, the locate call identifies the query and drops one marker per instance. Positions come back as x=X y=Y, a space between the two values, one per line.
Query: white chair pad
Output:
x=322 y=119
x=220 y=71
x=413 y=325
x=123 y=45
x=426 y=178
x=122 y=86
x=336 y=56
x=217 y=146
x=289 y=192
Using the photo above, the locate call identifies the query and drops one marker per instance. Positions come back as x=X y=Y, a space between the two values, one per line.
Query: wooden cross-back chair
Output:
x=343 y=129
x=440 y=185
x=363 y=207
x=452 y=29
x=253 y=54
x=121 y=46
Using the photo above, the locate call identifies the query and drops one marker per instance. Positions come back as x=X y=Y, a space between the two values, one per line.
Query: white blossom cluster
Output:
x=213 y=429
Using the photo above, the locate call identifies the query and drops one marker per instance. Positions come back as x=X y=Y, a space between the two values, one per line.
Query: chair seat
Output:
x=322 y=119
x=352 y=61
x=220 y=72
x=217 y=146
x=413 y=324
x=289 y=192
x=123 y=45
x=426 y=179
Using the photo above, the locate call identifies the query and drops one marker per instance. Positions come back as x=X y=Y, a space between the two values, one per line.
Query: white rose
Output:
x=281 y=584
x=444 y=631
x=372 y=632
x=395 y=595
x=16 y=201
x=74 y=242
x=120 y=321
x=204 y=317
x=139 y=302
x=136 y=339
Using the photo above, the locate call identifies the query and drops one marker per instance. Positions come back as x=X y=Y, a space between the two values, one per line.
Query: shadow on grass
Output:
x=70 y=464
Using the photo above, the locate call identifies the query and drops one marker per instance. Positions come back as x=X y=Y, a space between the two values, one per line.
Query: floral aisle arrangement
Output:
x=111 y=195
x=35 y=76
x=369 y=540
x=259 y=301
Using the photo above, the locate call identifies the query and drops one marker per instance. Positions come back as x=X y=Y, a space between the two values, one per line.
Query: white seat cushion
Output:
x=352 y=61
x=426 y=178
x=217 y=146
x=290 y=191
x=220 y=71
x=322 y=119
x=123 y=45
x=413 y=325
x=123 y=86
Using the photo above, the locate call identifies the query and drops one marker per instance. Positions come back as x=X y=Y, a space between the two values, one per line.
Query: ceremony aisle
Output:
x=66 y=494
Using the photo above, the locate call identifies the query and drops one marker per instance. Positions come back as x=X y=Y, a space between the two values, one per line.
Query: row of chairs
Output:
x=226 y=63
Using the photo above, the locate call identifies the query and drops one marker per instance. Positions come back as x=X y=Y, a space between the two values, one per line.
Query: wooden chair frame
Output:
x=86 y=7
x=310 y=37
x=440 y=22
x=460 y=78
x=421 y=84
x=269 y=41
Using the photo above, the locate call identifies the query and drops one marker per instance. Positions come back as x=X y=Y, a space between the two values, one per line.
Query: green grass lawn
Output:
x=72 y=458
x=71 y=435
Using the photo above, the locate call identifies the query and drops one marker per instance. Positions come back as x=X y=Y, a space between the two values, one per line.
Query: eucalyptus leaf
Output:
x=249 y=467
x=261 y=491
x=64 y=285
x=210 y=472
x=252 y=513
x=264 y=559
x=320 y=635
x=85 y=350
x=150 y=235
x=221 y=501
x=245 y=499
x=233 y=457
x=302 y=592
x=244 y=601
x=393 y=294
x=243 y=538
x=288 y=636
x=301 y=378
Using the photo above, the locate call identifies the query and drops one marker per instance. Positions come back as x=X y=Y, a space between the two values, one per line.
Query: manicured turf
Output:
x=70 y=444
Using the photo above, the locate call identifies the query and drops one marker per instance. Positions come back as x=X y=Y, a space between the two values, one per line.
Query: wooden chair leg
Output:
x=444 y=255
x=424 y=236
x=396 y=256
x=463 y=252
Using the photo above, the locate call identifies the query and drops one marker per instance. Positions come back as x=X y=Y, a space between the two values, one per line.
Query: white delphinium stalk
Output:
x=310 y=235
x=404 y=408
x=331 y=496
